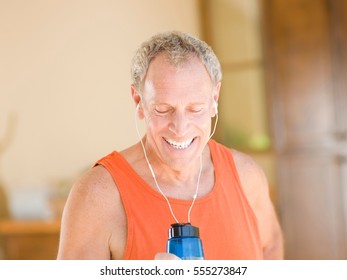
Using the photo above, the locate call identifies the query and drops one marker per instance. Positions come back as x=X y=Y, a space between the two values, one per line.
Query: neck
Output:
x=183 y=183
x=177 y=176
x=162 y=192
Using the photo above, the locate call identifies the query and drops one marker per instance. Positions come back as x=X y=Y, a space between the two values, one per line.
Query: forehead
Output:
x=188 y=79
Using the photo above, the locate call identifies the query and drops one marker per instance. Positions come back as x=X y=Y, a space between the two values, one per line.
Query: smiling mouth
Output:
x=179 y=145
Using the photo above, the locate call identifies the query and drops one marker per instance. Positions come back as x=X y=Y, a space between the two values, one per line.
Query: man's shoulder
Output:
x=253 y=180
x=250 y=173
x=96 y=195
x=92 y=215
x=96 y=183
x=244 y=161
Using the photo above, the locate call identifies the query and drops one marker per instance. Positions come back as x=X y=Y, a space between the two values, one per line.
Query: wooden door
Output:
x=305 y=54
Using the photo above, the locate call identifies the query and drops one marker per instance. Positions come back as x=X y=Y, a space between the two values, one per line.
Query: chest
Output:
x=228 y=228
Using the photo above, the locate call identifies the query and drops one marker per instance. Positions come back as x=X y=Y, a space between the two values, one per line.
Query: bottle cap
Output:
x=183 y=230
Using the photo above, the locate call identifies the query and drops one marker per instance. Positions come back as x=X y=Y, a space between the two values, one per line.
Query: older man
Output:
x=123 y=207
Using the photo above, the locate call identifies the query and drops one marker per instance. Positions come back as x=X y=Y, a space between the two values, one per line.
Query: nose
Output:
x=179 y=124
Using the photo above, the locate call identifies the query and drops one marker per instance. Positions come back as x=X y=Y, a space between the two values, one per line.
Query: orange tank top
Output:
x=228 y=226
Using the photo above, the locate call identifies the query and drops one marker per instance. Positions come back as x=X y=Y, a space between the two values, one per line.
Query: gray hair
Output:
x=178 y=48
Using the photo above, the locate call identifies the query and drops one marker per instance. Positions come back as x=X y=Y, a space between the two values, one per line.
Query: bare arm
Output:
x=256 y=188
x=89 y=223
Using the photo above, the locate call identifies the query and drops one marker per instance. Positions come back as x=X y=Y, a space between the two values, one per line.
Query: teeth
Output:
x=179 y=145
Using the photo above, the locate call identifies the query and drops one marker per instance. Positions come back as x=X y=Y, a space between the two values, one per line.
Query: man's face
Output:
x=178 y=106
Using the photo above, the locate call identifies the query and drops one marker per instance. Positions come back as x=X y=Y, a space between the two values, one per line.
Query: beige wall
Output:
x=64 y=73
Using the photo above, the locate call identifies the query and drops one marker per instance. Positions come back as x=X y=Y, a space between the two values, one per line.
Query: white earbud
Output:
x=137 y=106
x=215 y=106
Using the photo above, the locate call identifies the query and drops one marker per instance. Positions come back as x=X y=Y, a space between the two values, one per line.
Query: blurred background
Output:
x=65 y=102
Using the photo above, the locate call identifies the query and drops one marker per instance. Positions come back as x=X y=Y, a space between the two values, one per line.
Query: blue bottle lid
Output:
x=183 y=230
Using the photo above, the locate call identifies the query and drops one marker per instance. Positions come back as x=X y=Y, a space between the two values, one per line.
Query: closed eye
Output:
x=196 y=109
x=161 y=111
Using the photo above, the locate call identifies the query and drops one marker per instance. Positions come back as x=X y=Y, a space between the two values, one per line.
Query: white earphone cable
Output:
x=155 y=179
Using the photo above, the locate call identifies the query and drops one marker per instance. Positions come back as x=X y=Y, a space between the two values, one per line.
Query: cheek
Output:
x=203 y=121
x=156 y=123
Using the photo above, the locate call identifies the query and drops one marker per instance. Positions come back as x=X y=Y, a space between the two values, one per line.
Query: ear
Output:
x=137 y=100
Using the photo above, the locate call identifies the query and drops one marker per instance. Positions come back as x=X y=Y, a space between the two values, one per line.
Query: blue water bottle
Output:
x=184 y=242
